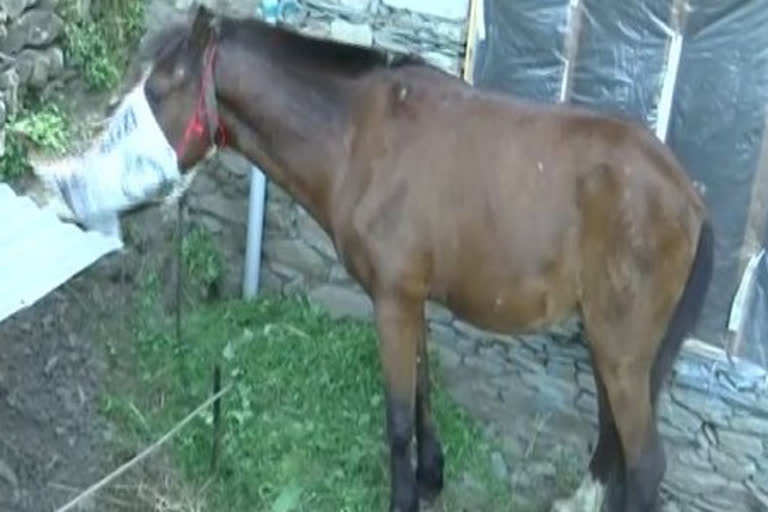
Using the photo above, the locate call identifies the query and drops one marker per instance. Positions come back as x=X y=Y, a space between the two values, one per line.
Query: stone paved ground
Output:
x=536 y=396
x=526 y=428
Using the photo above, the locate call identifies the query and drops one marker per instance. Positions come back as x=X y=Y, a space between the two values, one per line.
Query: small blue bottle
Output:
x=270 y=10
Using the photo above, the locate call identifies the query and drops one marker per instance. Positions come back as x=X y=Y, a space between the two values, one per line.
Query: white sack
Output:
x=131 y=163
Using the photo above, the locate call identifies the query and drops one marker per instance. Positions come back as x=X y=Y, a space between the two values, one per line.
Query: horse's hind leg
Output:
x=607 y=464
x=624 y=361
x=634 y=348
x=634 y=335
x=429 y=472
x=604 y=481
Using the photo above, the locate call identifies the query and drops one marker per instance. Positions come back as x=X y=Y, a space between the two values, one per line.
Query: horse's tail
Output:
x=688 y=309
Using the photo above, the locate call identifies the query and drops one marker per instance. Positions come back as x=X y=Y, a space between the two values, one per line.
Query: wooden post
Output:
x=472 y=29
x=758 y=205
x=674 y=51
x=571 y=47
x=755 y=228
x=216 y=444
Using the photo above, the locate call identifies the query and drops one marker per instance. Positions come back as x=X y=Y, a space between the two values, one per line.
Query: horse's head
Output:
x=181 y=91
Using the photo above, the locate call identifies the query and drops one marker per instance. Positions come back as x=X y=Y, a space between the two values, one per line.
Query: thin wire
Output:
x=179 y=267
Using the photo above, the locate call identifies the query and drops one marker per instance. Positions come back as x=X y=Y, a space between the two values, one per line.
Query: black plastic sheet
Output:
x=756 y=325
x=716 y=129
x=621 y=57
x=718 y=113
x=523 y=49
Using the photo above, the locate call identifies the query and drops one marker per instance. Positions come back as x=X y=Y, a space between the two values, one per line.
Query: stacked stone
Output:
x=434 y=29
x=713 y=415
x=30 y=51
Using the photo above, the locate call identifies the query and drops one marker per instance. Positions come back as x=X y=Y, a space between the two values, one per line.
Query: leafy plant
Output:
x=100 y=44
x=46 y=127
x=15 y=163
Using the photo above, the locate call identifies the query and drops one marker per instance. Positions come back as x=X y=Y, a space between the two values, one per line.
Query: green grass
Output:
x=202 y=262
x=303 y=425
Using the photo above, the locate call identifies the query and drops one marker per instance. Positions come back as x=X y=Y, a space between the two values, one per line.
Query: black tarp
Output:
x=757 y=326
x=532 y=63
x=716 y=129
x=621 y=57
x=718 y=110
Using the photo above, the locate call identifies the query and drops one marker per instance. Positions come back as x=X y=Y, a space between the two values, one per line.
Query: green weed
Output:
x=15 y=163
x=202 y=261
x=100 y=44
x=99 y=47
x=46 y=128
x=303 y=428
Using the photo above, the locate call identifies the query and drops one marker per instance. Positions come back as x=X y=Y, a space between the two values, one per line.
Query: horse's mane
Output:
x=156 y=44
x=323 y=54
x=286 y=44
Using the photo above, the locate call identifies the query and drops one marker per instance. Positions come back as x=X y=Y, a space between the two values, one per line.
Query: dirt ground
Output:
x=52 y=369
x=57 y=360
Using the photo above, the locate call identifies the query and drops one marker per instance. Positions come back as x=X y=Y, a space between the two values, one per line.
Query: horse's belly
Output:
x=512 y=305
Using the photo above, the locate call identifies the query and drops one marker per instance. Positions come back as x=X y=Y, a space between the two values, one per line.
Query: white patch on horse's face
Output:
x=587 y=498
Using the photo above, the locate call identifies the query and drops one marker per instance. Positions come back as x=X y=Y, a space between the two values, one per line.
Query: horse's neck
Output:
x=295 y=132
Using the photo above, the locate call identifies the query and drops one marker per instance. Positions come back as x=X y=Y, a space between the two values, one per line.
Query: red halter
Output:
x=206 y=113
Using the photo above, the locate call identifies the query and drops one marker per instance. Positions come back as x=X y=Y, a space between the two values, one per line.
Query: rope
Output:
x=144 y=454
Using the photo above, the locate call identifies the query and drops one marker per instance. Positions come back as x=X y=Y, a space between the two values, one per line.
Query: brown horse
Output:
x=515 y=216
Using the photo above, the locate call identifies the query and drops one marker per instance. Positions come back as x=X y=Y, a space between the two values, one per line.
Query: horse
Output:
x=516 y=216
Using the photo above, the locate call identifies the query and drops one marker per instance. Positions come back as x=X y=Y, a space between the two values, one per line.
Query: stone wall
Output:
x=714 y=417
x=30 y=52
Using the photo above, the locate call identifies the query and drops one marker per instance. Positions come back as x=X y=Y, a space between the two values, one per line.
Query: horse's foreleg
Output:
x=400 y=326
x=429 y=473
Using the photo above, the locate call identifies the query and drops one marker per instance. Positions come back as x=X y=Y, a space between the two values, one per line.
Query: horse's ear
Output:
x=202 y=29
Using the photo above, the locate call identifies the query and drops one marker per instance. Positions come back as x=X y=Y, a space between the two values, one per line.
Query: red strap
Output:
x=196 y=125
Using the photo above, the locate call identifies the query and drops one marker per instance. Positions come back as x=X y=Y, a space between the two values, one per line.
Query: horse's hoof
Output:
x=430 y=491
x=563 y=505
x=429 y=475
x=413 y=507
x=407 y=500
x=588 y=497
